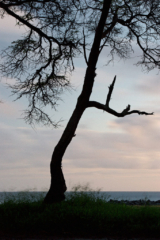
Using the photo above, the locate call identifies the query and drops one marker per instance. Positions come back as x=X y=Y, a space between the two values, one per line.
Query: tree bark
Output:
x=58 y=185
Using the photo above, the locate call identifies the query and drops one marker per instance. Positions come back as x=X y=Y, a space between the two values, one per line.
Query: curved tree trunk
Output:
x=58 y=186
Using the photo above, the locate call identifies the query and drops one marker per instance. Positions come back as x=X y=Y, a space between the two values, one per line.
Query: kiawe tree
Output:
x=57 y=32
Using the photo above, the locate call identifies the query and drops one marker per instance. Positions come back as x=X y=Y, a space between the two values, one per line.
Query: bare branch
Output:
x=106 y=107
x=84 y=48
x=37 y=115
x=18 y=3
x=110 y=92
x=44 y=55
x=109 y=29
x=37 y=30
x=113 y=112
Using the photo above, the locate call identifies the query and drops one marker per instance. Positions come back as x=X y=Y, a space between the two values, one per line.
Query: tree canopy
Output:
x=58 y=31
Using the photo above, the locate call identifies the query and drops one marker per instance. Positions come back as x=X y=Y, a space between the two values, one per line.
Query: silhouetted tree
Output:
x=58 y=31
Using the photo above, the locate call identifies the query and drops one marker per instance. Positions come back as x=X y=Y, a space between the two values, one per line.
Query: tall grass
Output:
x=82 y=214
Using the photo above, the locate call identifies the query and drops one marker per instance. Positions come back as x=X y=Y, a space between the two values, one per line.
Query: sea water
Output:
x=33 y=196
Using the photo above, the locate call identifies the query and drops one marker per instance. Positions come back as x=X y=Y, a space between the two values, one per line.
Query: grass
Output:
x=80 y=215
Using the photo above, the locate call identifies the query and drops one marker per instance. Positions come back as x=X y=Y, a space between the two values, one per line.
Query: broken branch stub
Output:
x=110 y=92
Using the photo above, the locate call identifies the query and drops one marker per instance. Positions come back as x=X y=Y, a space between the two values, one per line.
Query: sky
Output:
x=109 y=153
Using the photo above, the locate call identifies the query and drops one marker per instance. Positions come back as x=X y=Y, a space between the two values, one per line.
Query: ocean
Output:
x=32 y=196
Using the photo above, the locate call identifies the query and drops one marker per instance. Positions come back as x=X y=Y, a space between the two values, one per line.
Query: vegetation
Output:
x=81 y=214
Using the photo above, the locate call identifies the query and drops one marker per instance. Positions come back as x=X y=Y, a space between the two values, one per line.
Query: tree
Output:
x=59 y=30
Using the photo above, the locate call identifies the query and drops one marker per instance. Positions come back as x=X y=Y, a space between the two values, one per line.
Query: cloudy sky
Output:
x=109 y=153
